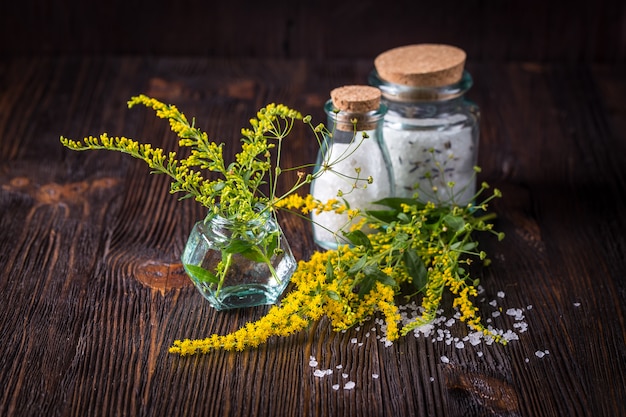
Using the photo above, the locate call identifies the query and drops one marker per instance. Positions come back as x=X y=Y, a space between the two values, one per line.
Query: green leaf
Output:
x=359 y=238
x=416 y=269
x=272 y=244
x=375 y=273
x=396 y=202
x=237 y=246
x=358 y=266
x=333 y=295
x=455 y=223
x=469 y=246
x=365 y=285
x=254 y=254
x=330 y=271
x=386 y=216
x=201 y=274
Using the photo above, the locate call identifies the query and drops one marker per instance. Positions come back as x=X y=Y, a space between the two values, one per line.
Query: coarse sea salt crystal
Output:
x=510 y=335
x=444 y=359
x=540 y=354
x=474 y=338
x=344 y=376
x=313 y=363
x=479 y=354
x=515 y=312
x=500 y=294
x=353 y=340
x=493 y=303
x=319 y=373
x=336 y=387
x=349 y=385
x=460 y=345
x=375 y=376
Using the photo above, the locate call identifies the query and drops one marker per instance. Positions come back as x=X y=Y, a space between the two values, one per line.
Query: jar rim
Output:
x=364 y=121
x=407 y=93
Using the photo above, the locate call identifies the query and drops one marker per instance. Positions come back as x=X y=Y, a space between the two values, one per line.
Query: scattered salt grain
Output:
x=375 y=376
x=510 y=335
x=526 y=360
x=495 y=314
x=319 y=373
x=529 y=307
x=479 y=354
x=432 y=379
x=444 y=359
x=493 y=303
x=339 y=366
x=313 y=363
x=540 y=354
x=500 y=294
x=353 y=340
x=344 y=376
x=349 y=385
x=336 y=387
x=516 y=312
x=521 y=326
x=576 y=304
x=459 y=345
x=474 y=338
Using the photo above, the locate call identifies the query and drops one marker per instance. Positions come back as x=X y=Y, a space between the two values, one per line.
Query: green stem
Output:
x=228 y=261
x=268 y=262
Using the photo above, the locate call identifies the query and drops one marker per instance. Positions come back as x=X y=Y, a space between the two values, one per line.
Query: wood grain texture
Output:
x=512 y=30
x=90 y=244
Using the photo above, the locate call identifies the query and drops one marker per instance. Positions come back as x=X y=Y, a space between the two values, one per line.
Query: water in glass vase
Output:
x=239 y=265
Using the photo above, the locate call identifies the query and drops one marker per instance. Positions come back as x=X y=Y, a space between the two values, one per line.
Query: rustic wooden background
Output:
x=489 y=30
x=92 y=292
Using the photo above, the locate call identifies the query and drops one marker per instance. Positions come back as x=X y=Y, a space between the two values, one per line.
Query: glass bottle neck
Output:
x=404 y=93
x=343 y=121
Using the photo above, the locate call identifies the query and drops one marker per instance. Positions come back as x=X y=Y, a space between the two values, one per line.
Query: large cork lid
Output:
x=356 y=98
x=427 y=65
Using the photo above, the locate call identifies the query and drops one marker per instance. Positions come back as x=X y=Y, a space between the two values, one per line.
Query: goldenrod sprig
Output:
x=236 y=190
x=416 y=249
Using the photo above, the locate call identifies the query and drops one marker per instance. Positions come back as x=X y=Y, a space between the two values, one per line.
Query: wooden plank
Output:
x=90 y=276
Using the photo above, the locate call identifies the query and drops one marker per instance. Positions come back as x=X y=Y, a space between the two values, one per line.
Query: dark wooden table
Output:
x=93 y=293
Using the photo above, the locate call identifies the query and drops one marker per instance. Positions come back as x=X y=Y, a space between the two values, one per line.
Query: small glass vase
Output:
x=237 y=265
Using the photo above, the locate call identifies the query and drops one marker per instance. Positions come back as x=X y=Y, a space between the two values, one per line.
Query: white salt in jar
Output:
x=359 y=171
x=430 y=129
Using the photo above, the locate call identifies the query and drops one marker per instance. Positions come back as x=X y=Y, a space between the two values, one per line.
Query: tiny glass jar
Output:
x=431 y=131
x=359 y=172
x=255 y=265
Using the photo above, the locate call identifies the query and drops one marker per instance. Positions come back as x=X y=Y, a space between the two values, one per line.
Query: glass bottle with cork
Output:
x=431 y=131
x=360 y=172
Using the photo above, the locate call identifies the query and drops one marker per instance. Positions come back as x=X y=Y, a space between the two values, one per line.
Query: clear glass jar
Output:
x=257 y=264
x=431 y=134
x=355 y=149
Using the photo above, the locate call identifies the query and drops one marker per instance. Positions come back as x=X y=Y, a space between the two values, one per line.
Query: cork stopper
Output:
x=355 y=102
x=356 y=98
x=427 y=65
